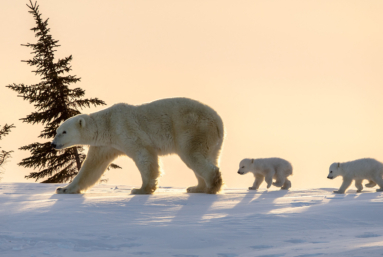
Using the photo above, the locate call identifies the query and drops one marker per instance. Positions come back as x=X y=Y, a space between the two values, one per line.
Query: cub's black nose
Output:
x=53 y=145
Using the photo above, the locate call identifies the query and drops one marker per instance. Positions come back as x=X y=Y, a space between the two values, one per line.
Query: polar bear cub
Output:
x=267 y=169
x=358 y=170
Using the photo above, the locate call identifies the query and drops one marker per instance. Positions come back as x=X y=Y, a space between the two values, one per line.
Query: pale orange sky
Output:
x=300 y=80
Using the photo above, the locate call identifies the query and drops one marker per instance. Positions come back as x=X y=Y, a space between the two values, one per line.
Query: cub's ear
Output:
x=81 y=122
x=338 y=164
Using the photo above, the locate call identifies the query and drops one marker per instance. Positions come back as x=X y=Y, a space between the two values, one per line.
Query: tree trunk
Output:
x=77 y=158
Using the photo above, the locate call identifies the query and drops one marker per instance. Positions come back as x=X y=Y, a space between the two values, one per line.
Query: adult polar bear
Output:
x=176 y=125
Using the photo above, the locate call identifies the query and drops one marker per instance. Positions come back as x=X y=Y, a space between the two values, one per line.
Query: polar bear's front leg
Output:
x=346 y=183
x=147 y=163
x=269 y=177
x=258 y=181
x=95 y=164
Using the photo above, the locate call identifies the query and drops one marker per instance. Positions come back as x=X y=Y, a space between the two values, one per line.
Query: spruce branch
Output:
x=5 y=155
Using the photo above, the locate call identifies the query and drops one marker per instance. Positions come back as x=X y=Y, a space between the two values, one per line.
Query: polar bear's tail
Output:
x=216 y=184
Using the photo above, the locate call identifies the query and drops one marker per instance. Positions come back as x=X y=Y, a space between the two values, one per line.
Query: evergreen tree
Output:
x=4 y=155
x=55 y=102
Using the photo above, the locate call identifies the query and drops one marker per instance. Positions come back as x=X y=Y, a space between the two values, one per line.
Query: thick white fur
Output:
x=183 y=126
x=358 y=170
x=267 y=169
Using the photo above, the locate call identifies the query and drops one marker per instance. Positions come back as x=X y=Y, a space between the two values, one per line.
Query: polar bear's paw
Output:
x=140 y=191
x=65 y=190
x=195 y=189
x=286 y=185
x=379 y=190
x=338 y=192
x=60 y=190
x=252 y=188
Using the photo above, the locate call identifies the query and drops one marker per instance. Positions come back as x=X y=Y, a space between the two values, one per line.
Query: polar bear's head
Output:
x=72 y=132
x=245 y=166
x=334 y=170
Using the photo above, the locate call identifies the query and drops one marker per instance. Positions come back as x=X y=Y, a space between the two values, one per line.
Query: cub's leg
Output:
x=258 y=181
x=286 y=185
x=379 y=181
x=269 y=177
x=95 y=164
x=346 y=183
x=280 y=178
x=358 y=185
x=371 y=183
x=147 y=163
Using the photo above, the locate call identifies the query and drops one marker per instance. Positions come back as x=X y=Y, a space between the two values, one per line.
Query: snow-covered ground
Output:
x=108 y=221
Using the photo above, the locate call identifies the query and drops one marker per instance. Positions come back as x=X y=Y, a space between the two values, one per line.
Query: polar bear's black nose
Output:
x=53 y=145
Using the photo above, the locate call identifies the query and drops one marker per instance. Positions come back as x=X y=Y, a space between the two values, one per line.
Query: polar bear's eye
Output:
x=330 y=171
x=64 y=132
x=243 y=167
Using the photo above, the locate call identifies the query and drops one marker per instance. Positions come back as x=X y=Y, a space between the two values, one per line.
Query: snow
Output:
x=108 y=221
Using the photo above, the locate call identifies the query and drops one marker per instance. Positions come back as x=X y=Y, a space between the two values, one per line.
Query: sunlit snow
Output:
x=109 y=221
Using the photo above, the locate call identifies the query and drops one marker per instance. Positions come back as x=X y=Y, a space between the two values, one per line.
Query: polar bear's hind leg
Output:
x=371 y=183
x=280 y=178
x=200 y=188
x=214 y=158
x=358 y=185
x=204 y=169
x=286 y=185
x=199 y=147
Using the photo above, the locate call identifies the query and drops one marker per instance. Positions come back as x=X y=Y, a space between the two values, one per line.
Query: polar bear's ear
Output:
x=81 y=122
x=252 y=160
x=338 y=164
